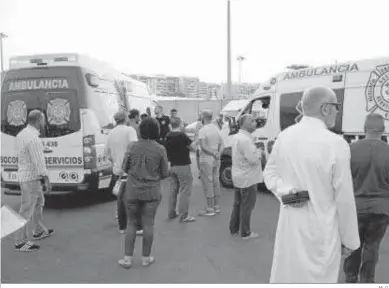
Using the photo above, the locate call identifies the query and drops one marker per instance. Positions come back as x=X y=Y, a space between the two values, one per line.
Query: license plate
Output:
x=10 y=176
x=104 y=183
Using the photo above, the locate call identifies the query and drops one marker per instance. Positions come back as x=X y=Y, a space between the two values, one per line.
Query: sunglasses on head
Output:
x=336 y=105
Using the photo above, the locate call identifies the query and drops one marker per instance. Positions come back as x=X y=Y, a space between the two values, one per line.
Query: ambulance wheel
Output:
x=225 y=175
x=262 y=188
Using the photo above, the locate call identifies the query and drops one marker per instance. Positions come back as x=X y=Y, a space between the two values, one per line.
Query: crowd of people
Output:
x=334 y=199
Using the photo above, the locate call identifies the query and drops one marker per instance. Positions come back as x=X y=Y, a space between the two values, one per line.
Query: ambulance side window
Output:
x=259 y=110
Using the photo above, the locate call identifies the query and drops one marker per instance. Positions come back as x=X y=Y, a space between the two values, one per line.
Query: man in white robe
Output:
x=307 y=156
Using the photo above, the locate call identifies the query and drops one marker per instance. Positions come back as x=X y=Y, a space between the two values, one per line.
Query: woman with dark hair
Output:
x=146 y=165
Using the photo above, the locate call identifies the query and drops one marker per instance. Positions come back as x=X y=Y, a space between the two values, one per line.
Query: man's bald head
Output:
x=247 y=122
x=34 y=117
x=314 y=98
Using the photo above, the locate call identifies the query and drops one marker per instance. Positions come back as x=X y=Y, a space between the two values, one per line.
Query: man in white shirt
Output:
x=211 y=145
x=312 y=235
x=117 y=142
x=246 y=174
x=34 y=181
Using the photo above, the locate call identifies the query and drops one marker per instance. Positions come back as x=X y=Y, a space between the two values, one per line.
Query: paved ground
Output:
x=87 y=245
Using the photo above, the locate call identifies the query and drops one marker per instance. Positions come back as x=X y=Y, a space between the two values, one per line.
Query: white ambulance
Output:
x=362 y=87
x=79 y=98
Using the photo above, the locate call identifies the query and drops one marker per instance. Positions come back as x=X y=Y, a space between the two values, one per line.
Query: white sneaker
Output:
x=122 y=231
x=147 y=261
x=125 y=263
x=251 y=236
x=139 y=233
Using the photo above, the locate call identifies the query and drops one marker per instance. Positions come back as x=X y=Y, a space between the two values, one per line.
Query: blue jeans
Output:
x=244 y=203
x=121 y=207
x=180 y=187
x=147 y=211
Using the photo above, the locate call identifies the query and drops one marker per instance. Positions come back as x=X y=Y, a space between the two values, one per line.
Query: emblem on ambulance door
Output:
x=17 y=113
x=377 y=91
x=58 y=111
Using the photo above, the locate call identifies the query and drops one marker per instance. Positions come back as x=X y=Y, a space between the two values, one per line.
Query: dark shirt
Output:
x=146 y=165
x=370 y=172
x=177 y=148
x=164 y=128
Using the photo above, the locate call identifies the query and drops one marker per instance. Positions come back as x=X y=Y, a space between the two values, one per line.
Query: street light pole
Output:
x=2 y=35
x=240 y=60
x=228 y=49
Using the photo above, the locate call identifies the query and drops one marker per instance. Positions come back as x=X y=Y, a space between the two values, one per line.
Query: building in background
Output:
x=192 y=87
x=242 y=91
x=173 y=86
x=189 y=86
x=203 y=90
x=158 y=85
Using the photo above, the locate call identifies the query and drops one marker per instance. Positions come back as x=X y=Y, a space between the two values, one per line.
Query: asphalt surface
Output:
x=87 y=245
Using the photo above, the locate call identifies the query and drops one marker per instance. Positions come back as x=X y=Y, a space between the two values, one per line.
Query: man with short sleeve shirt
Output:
x=211 y=145
x=178 y=146
x=117 y=142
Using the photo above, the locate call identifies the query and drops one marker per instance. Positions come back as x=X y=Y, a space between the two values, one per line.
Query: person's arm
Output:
x=107 y=148
x=221 y=144
x=132 y=135
x=344 y=197
x=35 y=149
x=252 y=154
x=168 y=123
x=164 y=165
x=188 y=142
x=168 y=148
x=204 y=147
x=271 y=177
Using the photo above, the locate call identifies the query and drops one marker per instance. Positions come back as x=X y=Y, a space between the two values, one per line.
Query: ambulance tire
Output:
x=225 y=175
x=262 y=188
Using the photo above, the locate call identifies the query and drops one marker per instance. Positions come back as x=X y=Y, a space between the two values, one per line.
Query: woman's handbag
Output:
x=119 y=187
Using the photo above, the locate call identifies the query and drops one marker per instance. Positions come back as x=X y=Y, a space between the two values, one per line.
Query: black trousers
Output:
x=121 y=207
x=362 y=262
x=244 y=203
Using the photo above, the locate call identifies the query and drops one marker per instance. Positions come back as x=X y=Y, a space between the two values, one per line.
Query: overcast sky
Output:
x=188 y=37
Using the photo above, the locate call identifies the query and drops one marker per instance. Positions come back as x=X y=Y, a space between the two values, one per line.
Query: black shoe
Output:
x=43 y=234
x=169 y=218
x=27 y=247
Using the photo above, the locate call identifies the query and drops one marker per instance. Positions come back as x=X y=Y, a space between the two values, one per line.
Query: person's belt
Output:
x=295 y=198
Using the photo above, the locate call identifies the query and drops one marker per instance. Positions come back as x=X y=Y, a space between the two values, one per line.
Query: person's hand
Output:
x=296 y=205
x=346 y=252
x=47 y=184
x=216 y=155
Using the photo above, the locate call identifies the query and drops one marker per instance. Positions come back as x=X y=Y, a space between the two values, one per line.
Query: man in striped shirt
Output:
x=34 y=181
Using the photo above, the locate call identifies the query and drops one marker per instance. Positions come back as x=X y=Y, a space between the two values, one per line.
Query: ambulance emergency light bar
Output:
x=42 y=60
